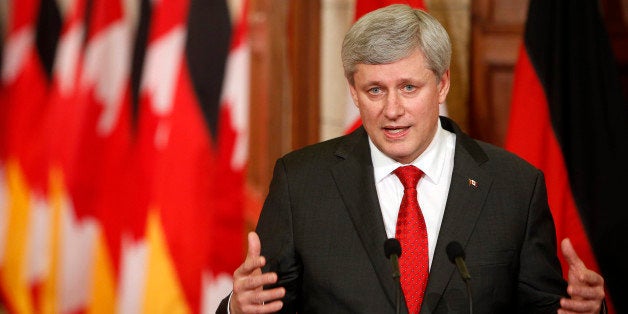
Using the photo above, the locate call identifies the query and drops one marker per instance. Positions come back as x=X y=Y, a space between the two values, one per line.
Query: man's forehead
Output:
x=368 y=74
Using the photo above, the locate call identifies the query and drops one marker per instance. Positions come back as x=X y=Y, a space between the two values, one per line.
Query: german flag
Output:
x=569 y=118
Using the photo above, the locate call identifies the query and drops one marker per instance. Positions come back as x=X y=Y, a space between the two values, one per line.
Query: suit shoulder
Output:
x=331 y=149
x=315 y=150
x=502 y=158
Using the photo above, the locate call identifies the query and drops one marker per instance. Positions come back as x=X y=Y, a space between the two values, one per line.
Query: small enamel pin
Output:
x=473 y=183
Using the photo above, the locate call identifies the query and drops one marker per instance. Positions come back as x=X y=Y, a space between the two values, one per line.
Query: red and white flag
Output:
x=123 y=153
x=24 y=210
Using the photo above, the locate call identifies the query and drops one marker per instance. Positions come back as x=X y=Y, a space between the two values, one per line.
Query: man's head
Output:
x=396 y=61
x=393 y=33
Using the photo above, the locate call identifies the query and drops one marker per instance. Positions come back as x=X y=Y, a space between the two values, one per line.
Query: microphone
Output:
x=392 y=249
x=456 y=255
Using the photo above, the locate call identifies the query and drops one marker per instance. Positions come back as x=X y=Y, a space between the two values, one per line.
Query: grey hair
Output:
x=392 y=33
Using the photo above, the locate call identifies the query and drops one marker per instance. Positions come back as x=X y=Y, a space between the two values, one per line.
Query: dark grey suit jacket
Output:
x=322 y=231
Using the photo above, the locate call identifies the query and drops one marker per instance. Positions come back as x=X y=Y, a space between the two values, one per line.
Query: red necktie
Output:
x=412 y=234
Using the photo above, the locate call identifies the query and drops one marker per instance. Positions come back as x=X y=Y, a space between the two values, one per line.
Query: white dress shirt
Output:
x=437 y=162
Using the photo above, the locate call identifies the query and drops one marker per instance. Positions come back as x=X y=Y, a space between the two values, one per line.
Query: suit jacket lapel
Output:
x=354 y=179
x=468 y=190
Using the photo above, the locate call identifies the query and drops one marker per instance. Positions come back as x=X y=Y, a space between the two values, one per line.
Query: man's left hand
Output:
x=585 y=286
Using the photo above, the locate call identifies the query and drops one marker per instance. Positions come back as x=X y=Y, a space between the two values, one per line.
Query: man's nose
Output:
x=394 y=106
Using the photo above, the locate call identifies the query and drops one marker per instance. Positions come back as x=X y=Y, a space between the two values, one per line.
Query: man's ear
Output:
x=354 y=93
x=443 y=86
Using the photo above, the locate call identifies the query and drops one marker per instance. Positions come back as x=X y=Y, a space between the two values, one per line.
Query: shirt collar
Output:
x=431 y=161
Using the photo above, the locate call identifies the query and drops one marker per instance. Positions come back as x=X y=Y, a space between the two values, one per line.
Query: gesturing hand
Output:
x=585 y=286
x=248 y=294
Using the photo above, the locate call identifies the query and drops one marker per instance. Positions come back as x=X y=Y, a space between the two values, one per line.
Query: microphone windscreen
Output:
x=454 y=249
x=392 y=246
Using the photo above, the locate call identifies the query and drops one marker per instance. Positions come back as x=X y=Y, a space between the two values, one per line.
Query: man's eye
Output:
x=375 y=90
x=409 y=88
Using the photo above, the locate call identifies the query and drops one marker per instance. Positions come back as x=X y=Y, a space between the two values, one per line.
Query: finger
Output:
x=570 y=254
x=270 y=295
x=255 y=282
x=592 y=278
x=589 y=291
x=263 y=301
x=586 y=294
x=587 y=279
x=271 y=307
x=579 y=306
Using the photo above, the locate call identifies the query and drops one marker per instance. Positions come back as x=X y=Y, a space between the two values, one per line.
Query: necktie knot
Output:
x=409 y=176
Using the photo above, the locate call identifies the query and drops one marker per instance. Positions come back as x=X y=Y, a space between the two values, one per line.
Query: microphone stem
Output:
x=464 y=273
x=398 y=295
x=469 y=296
x=396 y=275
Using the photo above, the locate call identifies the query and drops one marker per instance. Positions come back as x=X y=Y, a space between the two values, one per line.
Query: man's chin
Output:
x=402 y=156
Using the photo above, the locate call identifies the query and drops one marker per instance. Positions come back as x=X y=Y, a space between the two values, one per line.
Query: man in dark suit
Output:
x=331 y=206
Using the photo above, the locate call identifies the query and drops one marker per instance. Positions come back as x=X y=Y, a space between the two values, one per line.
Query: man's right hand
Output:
x=248 y=294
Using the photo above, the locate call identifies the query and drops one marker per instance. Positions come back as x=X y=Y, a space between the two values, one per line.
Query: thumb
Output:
x=255 y=247
x=570 y=254
x=253 y=259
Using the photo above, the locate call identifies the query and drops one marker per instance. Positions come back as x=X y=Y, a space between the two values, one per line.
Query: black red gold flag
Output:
x=569 y=118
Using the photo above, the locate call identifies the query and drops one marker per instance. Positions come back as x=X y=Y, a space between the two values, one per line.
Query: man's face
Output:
x=399 y=103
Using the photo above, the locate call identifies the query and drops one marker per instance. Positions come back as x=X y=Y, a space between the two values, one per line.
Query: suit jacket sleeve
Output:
x=275 y=228
x=540 y=277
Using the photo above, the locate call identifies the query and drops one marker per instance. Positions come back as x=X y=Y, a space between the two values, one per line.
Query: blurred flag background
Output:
x=123 y=149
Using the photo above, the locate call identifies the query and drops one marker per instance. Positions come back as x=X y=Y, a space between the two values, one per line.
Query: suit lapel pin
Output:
x=473 y=183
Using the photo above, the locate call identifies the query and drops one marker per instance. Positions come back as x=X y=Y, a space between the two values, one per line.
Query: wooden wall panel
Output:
x=270 y=134
x=283 y=86
x=303 y=48
x=497 y=27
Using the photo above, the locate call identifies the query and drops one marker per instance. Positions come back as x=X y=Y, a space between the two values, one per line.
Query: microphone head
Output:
x=454 y=249
x=392 y=246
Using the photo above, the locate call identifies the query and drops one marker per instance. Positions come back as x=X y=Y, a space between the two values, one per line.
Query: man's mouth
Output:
x=396 y=132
